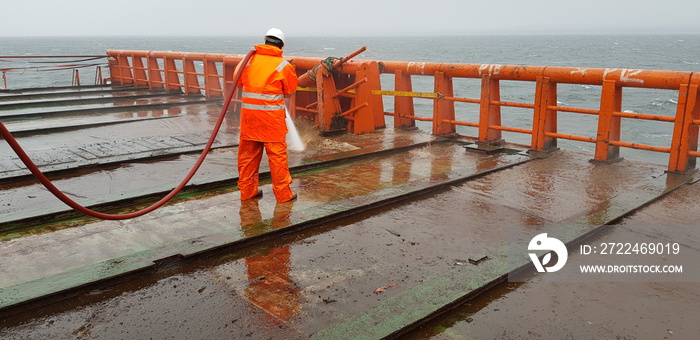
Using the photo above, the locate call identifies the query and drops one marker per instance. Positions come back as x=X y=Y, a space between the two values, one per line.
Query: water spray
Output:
x=294 y=142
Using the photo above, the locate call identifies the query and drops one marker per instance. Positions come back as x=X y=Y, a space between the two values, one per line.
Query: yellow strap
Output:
x=433 y=95
x=306 y=89
x=408 y=94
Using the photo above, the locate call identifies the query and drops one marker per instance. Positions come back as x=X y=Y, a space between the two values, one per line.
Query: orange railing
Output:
x=683 y=148
x=177 y=71
x=173 y=71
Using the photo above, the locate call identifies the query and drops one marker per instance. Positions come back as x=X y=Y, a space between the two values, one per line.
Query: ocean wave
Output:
x=664 y=102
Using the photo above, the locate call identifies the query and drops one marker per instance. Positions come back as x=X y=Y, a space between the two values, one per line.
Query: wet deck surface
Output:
x=590 y=310
x=406 y=221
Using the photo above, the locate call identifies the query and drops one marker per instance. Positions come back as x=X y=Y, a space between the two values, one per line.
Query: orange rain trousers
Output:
x=249 y=156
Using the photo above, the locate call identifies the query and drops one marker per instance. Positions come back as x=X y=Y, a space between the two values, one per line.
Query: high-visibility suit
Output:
x=266 y=80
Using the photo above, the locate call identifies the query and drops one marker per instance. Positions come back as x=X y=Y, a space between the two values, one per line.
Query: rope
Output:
x=327 y=63
x=51 y=56
x=65 y=199
x=65 y=61
x=50 y=68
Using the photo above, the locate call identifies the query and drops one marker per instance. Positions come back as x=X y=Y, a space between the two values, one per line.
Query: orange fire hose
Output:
x=65 y=199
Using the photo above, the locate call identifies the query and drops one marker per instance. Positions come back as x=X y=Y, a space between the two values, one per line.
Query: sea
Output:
x=649 y=52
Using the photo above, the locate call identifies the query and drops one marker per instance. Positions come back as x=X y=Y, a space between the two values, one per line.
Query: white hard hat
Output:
x=275 y=32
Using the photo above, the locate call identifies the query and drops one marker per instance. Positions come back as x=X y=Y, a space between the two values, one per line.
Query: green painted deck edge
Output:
x=56 y=284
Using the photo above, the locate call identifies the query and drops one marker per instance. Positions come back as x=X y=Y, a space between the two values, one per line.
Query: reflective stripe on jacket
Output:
x=265 y=81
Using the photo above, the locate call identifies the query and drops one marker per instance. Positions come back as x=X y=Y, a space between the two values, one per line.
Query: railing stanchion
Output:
x=608 y=124
x=403 y=106
x=545 y=119
x=212 y=81
x=191 y=82
x=140 y=77
x=172 y=80
x=443 y=109
x=125 y=73
x=155 y=78
x=489 y=113
x=685 y=133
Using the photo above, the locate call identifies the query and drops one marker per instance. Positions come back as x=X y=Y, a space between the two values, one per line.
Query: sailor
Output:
x=266 y=81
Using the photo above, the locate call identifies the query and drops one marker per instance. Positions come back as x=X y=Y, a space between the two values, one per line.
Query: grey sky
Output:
x=354 y=17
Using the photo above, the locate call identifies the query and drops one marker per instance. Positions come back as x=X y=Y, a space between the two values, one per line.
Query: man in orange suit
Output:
x=266 y=81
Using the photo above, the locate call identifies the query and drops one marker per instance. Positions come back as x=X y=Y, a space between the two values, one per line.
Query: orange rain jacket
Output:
x=265 y=81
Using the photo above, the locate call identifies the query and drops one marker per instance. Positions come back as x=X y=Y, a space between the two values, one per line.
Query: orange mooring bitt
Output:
x=344 y=100
x=306 y=79
x=351 y=108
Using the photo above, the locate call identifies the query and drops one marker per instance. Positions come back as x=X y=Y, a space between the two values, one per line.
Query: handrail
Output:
x=176 y=71
x=685 y=138
x=67 y=62
x=570 y=75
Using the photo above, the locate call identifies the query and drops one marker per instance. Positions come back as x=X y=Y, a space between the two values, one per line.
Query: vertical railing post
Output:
x=98 y=76
x=140 y=78
x=685 y=133
x=76 y=78
x=609 y=125
x=172 y=81
x=155 y=79
x=545 y=120
x=191 y=81
x=229 y=69
x=693 y=132
x=489 y=113
x=364 y=120
x=443 y=109
x=114 y=70
x=403 y=106
x=124 y=70
x=212 y=82
x=376 y=102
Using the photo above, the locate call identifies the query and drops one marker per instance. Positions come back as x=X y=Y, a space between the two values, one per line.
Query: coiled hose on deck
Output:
x=65 y=199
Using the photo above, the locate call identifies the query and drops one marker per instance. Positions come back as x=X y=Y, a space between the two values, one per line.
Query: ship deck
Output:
x=396 y=233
